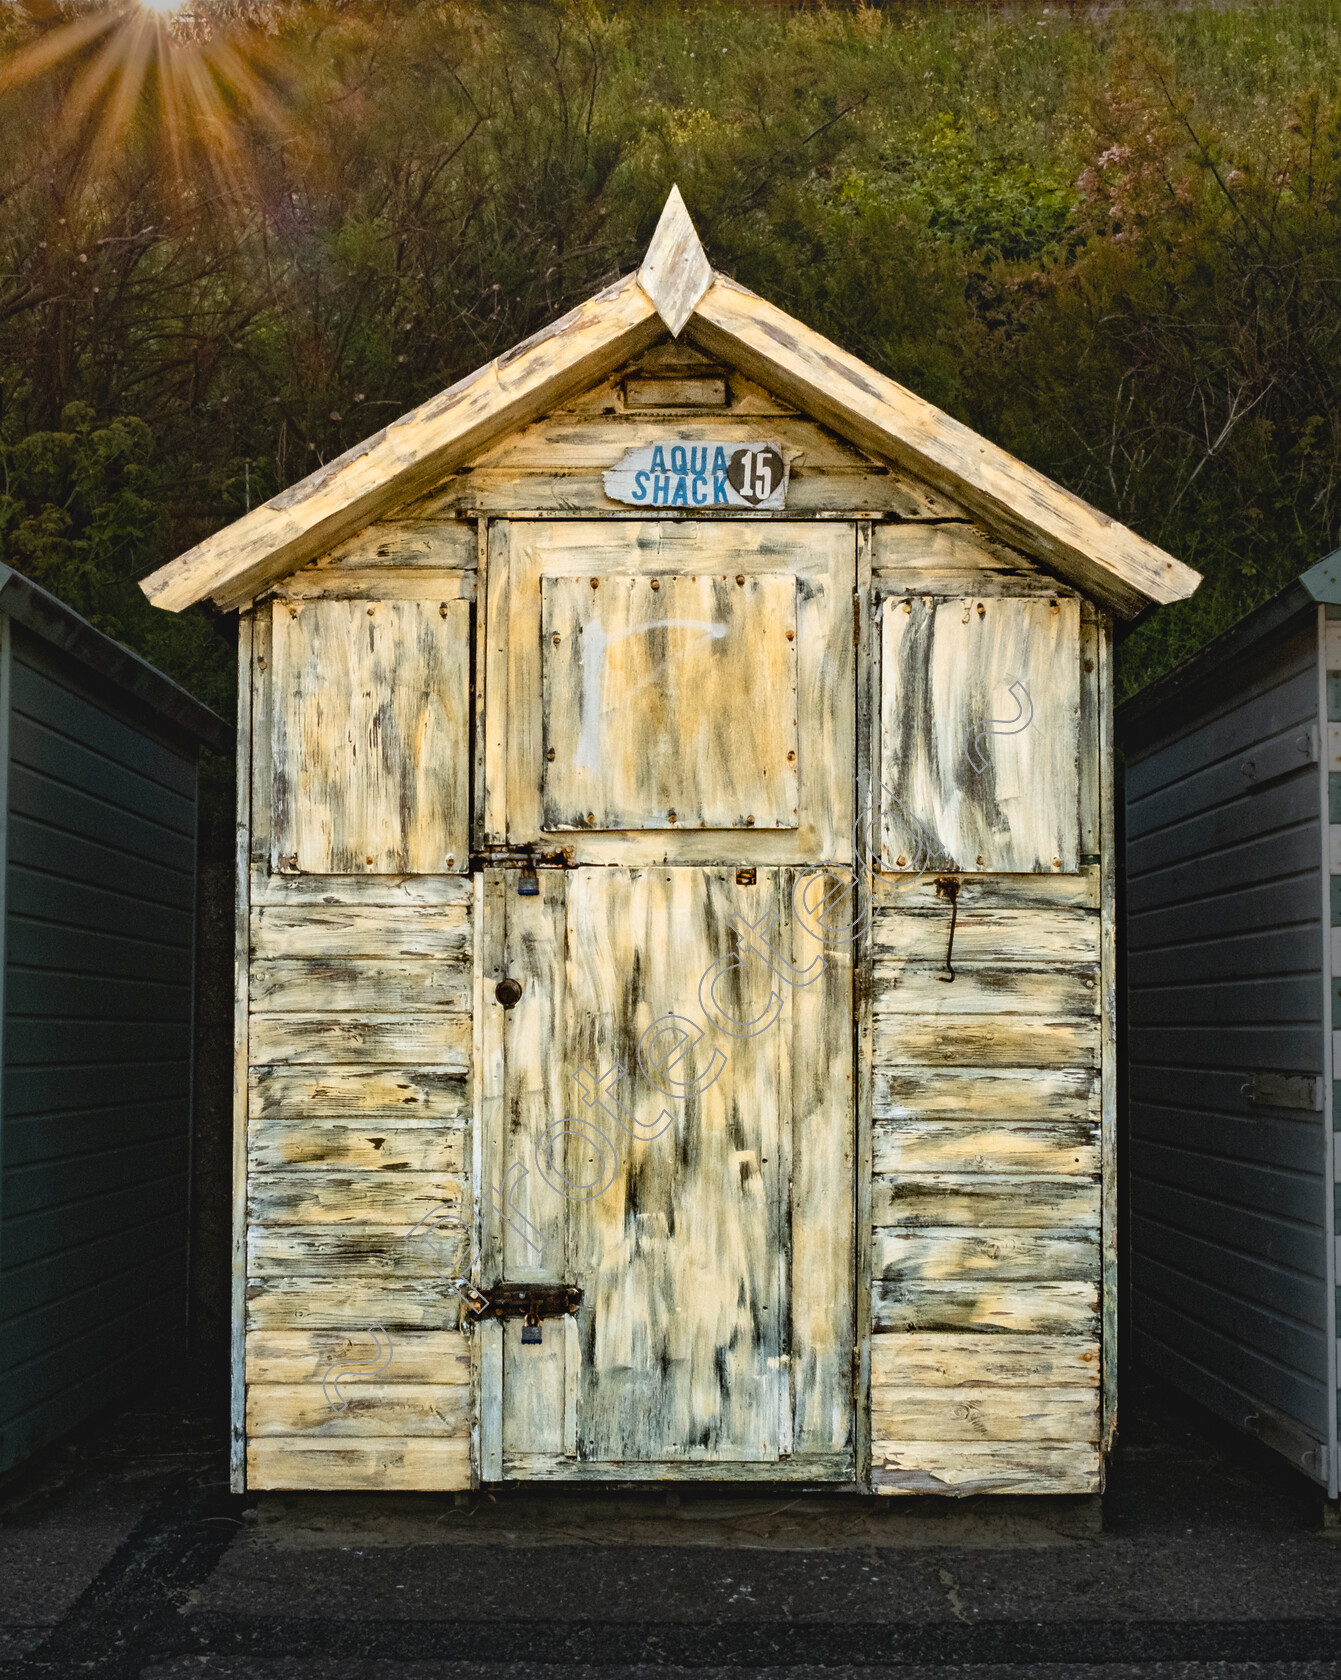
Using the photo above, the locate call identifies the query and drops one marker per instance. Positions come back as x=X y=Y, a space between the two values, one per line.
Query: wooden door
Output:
x=667 y=1109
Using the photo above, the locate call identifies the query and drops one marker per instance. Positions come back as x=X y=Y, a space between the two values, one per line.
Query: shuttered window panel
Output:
x=371 y=737
x=980 y=734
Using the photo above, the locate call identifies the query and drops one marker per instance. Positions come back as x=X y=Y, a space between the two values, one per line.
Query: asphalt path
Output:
x=122 y=1554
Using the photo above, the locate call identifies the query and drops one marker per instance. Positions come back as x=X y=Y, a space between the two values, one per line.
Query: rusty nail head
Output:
x=740 y=577
x=556 y=638
x=595 y=583
x=591 y=819
x=907 y=606
x=368 y=859
x=901 y=861
x=791 y=635
x=982 y=610
x=745 y=878
x=656 y=583
x=550 y=755
x=442 y=609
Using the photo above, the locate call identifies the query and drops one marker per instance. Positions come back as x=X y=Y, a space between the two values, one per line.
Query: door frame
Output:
x=839 y=687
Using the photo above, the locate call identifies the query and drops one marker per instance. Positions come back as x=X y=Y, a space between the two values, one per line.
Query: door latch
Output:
x=524 y=859
x=529 y=1302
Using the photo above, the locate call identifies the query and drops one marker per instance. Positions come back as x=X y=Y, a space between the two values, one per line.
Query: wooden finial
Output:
x=675 y=272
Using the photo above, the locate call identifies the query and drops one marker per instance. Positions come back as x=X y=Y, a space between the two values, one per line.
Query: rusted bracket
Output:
x=525 y=858
x=528 y=1301
x=948 y=887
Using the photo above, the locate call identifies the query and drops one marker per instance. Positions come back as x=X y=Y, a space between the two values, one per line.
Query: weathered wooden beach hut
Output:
x=1233 y=808
x=97 y=945
x=555 y=696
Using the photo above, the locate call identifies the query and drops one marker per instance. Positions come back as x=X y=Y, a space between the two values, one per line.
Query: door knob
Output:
x=508 y=992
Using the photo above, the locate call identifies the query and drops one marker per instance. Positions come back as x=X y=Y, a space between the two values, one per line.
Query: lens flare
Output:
x=194 y=80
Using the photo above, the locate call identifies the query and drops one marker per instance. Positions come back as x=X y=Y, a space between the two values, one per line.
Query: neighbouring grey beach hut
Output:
x=98 y=818
x=1233 y=918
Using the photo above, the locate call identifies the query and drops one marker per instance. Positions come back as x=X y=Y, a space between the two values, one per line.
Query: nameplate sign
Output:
x=701 y=475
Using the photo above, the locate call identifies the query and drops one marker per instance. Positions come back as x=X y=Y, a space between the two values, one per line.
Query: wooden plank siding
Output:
x=359 y=1125
x=1225 y=888
x=99 y=955
x=986 y=1260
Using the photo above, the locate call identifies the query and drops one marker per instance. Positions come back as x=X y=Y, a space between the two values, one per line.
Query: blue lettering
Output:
x=718 y=484
x=659 y=459
x=719 y=460
x=681 y=496
x=661 y=489
x=695 y=465
x=639 y=487
x=678 y=462
x=699 y=482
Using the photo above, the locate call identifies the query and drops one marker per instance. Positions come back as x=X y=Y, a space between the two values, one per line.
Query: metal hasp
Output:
x=528 y=1301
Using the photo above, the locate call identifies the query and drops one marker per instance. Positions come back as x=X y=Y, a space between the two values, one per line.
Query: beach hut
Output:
x=1233 y=913
x=675 y=927
x=97 y=916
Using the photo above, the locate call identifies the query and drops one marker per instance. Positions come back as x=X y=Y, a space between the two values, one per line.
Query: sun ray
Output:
x=199 y=83
x=59 y=43
x=111 y=84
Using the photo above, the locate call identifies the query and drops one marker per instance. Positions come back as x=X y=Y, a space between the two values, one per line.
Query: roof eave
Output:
x=62 y=627
x=1137 y=718
x=1110 y=563
x=409 y=456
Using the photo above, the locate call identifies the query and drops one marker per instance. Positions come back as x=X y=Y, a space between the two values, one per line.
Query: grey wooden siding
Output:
x=1227 y=1200
x=97 y=1033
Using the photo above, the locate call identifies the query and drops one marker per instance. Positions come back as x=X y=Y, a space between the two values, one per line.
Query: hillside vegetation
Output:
x=1109 y=238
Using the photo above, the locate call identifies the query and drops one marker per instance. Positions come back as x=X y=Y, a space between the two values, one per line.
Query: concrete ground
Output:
x=123 y=1554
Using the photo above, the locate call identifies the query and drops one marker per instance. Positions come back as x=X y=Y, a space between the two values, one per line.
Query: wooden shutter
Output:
x=980 y=733
x=669 y=701
x=371 y=737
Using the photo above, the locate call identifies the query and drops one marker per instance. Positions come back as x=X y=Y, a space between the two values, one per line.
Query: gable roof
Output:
x=675 y=290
